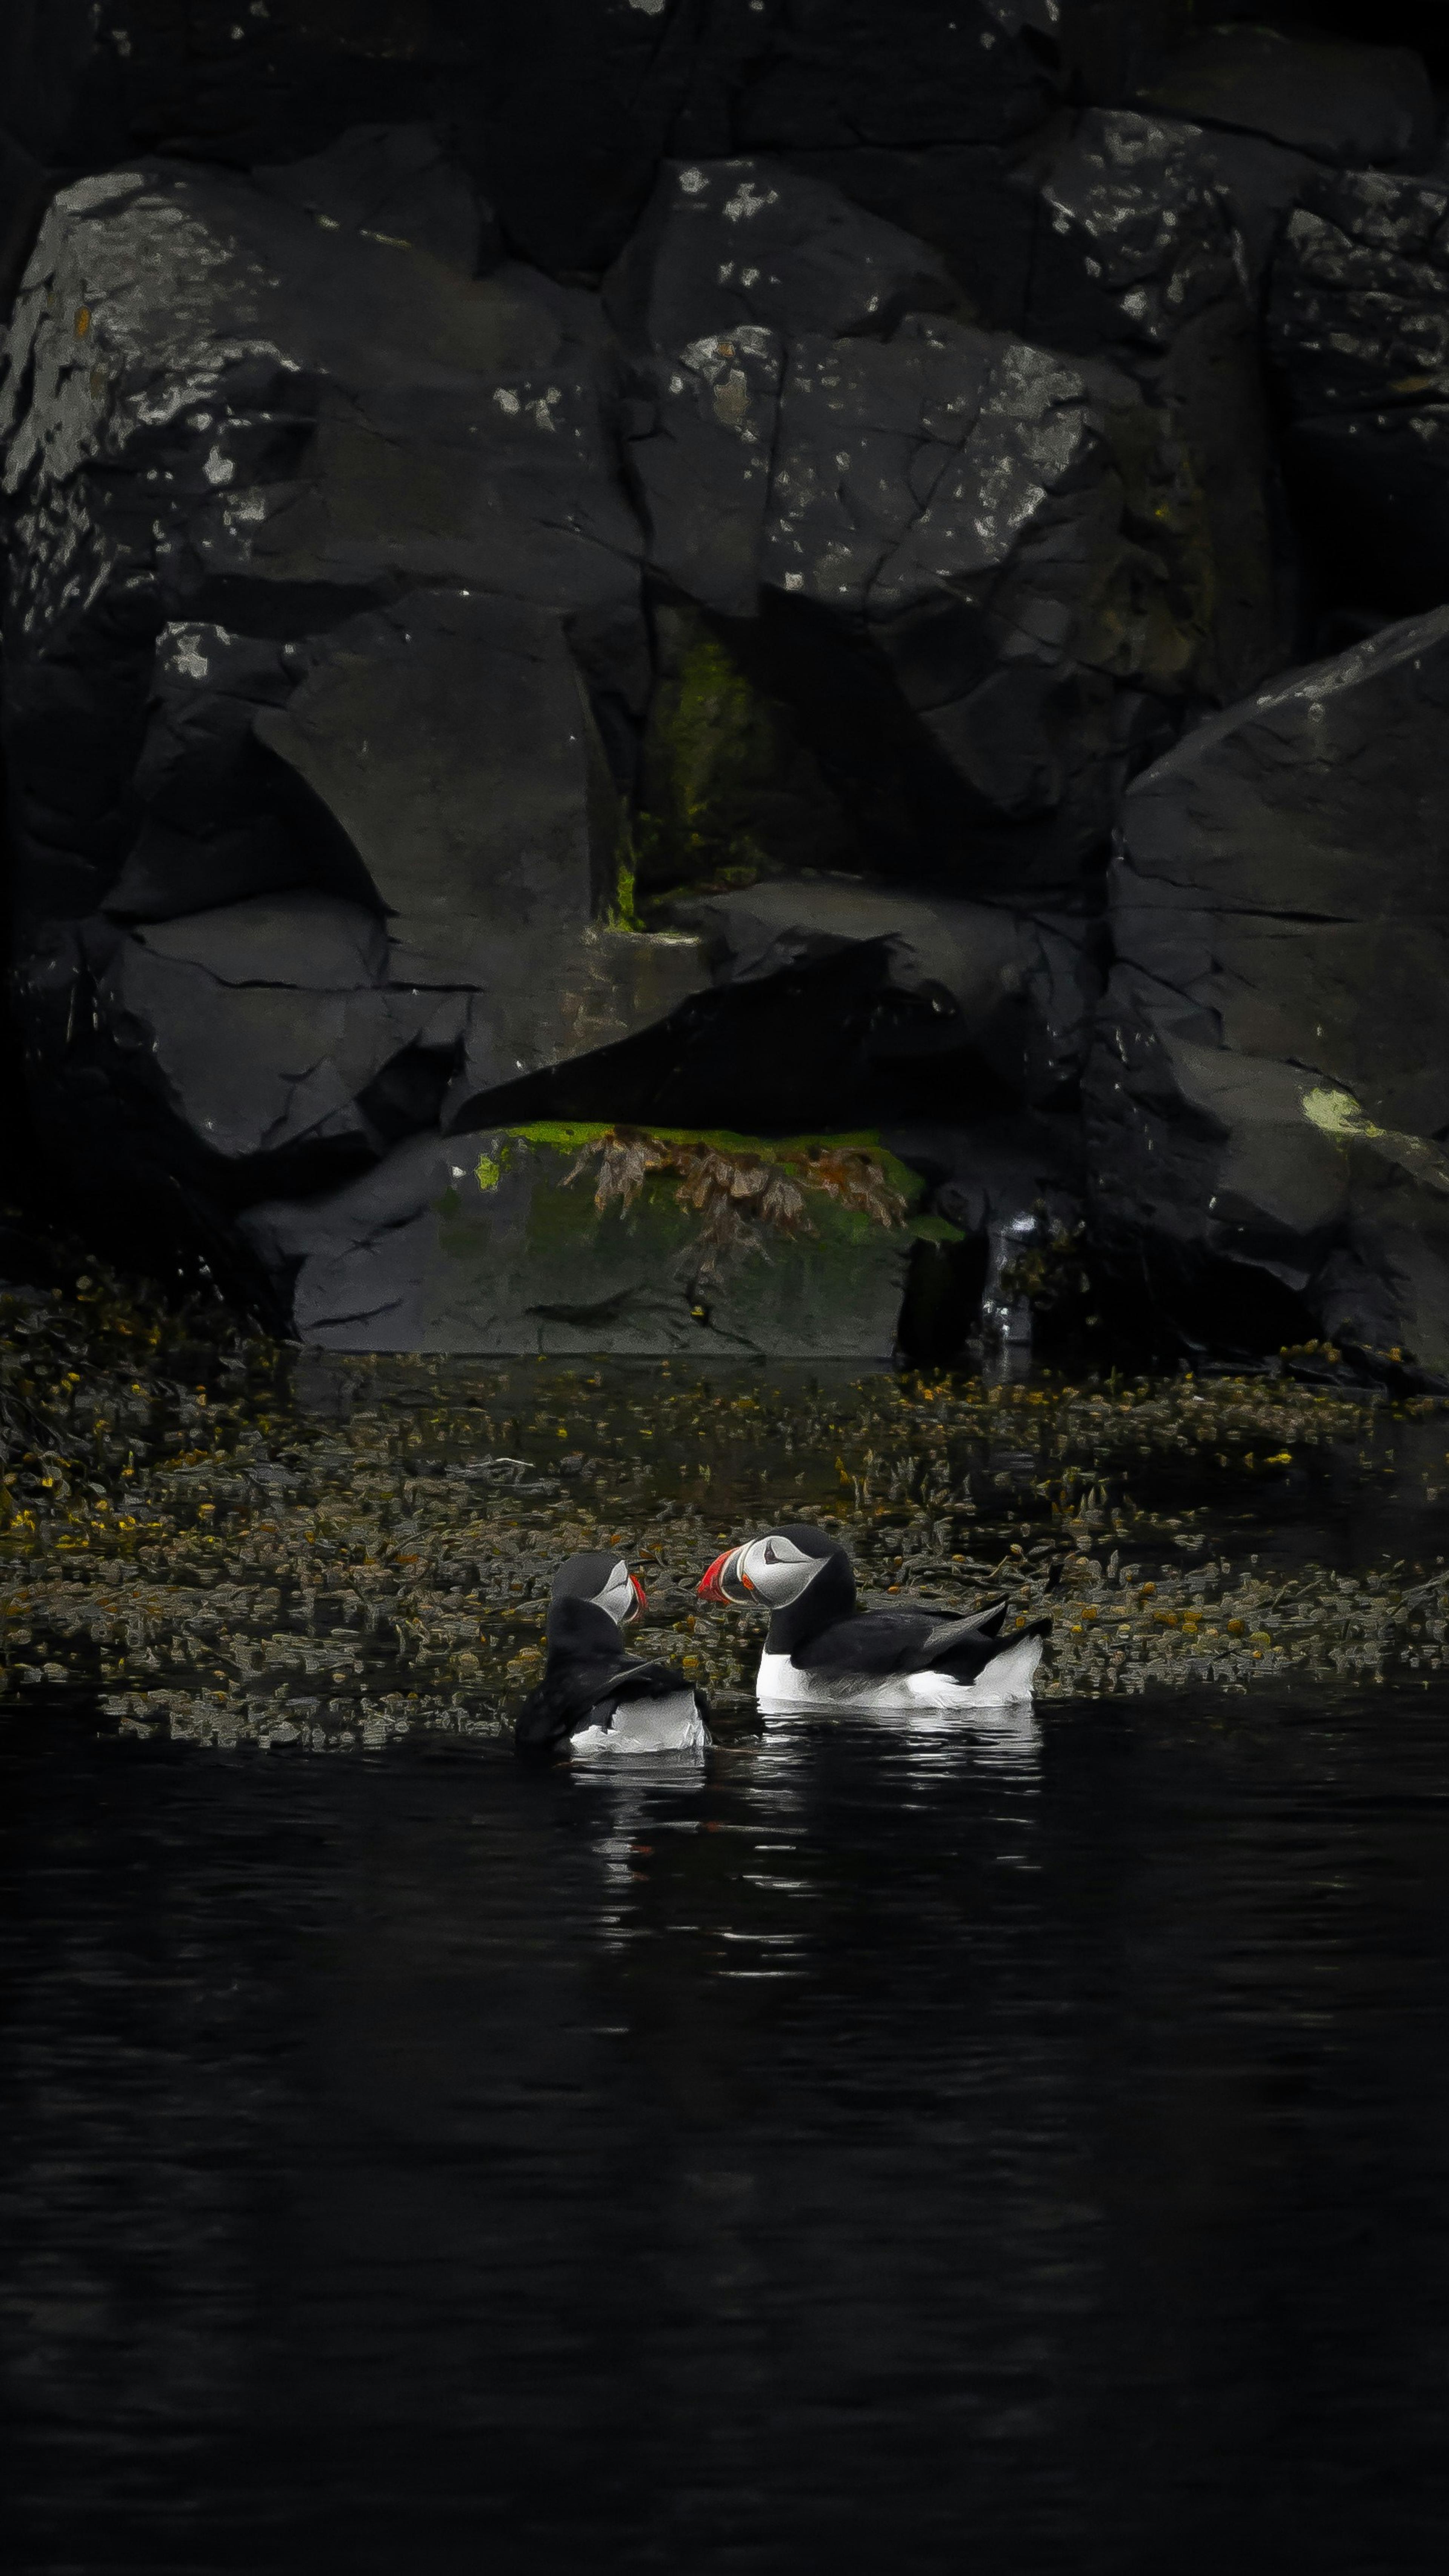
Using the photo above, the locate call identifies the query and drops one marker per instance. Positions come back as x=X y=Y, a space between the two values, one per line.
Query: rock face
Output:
x=947 y=524
x=632 y=563
x=1343 y=103
x=205 y=460
x=562 y=112
x=1019 y=991
x=1271 y=1077
x=1359 y=331
x=483 y=1244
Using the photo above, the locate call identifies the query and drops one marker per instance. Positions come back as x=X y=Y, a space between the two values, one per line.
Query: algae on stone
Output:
x=727 y=788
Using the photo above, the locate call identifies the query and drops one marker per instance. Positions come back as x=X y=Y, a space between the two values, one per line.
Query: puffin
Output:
x=822 y=1652
x=596 y=1698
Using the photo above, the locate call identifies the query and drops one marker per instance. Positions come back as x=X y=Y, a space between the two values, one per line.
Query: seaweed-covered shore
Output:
x=240 y=1541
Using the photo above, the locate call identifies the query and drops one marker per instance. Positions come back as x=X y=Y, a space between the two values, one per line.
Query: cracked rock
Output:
x=963 y=508
x=245 y=444
x=1358 y=330
x=1016 y=990
x=1271 y=1076
x=261 y=1023
x=395 y=184
x=751 y=241
x=481 y=1244
x=1341 y=102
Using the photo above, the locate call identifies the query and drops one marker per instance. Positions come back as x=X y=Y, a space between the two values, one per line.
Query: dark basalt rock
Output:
x=999 y=1169
x=210 y=827
x=1271 y=1077
x=1345 y=103
x=561 y=113
x=264 y=412
x=23 y=191
x=227 y=426
x=962 y=509
x=841 y=71
x=1018 y=991
x=975 y=204
x=261 y=1024
x=1151 y=241
x=751 y=241
x=870 y=477
x=481 y=1244
x=1358 y=329
x=395 y=184
x=733 y=258
x=1135 y=239
x=1143 y=239
x=986 y=639
x=699 y=432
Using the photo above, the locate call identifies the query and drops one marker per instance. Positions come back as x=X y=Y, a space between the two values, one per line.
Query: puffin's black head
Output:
x=780 y=1569
x=604 y=1580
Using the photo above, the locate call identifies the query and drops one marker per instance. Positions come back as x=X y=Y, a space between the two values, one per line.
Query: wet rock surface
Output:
x=1356 y=331
x=1017 y=990
x=627 y=574
x=1269 y=1084
x=1352 y=104
x=508 y=1241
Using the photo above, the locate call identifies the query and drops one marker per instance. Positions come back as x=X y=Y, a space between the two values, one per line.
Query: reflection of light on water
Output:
x=1006 y=1739
x=639 y=1806
x=1000 y=1739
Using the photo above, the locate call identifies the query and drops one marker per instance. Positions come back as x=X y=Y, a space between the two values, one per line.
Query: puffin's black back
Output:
x=828 y=1596
x=823 y=1632
x=589 y=1669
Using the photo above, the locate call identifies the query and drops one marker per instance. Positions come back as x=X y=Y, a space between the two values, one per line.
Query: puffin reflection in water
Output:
x=595 y=1698
x=822 y=1652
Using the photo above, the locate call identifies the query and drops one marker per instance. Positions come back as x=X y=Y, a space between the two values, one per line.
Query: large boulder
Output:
x=211 y=395
x=731 y=261
x=1142 y=238
x=1271 y=1078
x=246 y=444
x=749 y=241
x=986 y=579
x=563 y=112
x=485 y=1243
x=1343 y=103
x=1358 y=330
x=395 y=184
x=262 y=1025
x=1017 y=990
x=1150 y=242
x=959 y=527
x=838 y=70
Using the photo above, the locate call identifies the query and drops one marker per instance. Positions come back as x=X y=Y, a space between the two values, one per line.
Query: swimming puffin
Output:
x=821 y=1652
x=596 y=1698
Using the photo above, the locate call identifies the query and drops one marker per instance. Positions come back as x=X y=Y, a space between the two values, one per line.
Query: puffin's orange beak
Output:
x=641 y=1598
x=713 y=1586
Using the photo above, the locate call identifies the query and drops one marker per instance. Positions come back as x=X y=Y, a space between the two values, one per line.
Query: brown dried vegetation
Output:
x=742 y=1196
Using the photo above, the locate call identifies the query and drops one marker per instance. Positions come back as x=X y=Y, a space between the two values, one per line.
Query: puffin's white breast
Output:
x=672 y=1725
x=1007 y=1678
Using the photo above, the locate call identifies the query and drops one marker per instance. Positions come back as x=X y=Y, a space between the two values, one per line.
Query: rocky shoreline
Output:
x=803 y=570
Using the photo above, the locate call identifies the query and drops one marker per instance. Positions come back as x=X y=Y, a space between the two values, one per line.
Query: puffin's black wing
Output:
x=874 y=1641
x=904 y=1641
x=579 y=1692
x=962 y=1646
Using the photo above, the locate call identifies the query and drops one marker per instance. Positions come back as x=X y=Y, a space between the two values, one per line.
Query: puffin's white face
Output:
x=618 y=1596
x=776 y=1570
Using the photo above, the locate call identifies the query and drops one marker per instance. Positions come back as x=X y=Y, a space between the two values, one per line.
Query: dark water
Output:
x=881 y=2150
